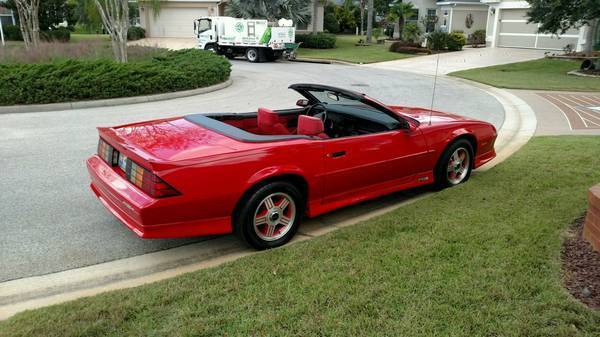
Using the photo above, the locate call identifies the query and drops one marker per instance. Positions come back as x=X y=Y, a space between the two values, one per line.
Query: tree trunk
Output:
x=362 y=17
x=28 y=22
x=590 y=37
x=401 y=27
x=115 y=18
x=396 y=34
x=370 y=22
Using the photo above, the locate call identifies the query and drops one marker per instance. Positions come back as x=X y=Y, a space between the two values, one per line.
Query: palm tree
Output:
x=398 y=13
x=298 y=11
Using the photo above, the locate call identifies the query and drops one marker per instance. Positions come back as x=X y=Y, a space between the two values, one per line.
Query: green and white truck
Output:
x=255 y=39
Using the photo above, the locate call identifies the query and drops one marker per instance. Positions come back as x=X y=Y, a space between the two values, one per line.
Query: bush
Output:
x=394 y=47
x=12 y=33
x=456 y=41
x=408 y=48
x=60 y=34
x=437 y=40
x=136 y=33
x=318 y=40
x=73 y=80
x=477 y=38
x=412 y=32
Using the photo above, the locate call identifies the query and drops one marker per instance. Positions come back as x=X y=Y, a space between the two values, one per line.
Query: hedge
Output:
x=61 y=34
x=135 y=33
x=318 y=40
x=12 y=33
x=73 y=80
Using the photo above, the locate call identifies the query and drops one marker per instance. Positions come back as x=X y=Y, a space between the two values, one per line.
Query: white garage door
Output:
x=515 y=31
x=175 y=22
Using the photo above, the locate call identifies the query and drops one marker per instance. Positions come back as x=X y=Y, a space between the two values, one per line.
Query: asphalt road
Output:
x=49 y=218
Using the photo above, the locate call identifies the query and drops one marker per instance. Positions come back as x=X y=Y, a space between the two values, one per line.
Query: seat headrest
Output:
x=267 y=117
x=310 y=126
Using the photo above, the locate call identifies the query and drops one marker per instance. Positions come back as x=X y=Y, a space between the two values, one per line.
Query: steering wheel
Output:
x=315 y=106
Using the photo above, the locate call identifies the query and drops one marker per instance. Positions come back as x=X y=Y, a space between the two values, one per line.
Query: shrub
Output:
x=477 y=38
x=60 y=34
x=412 y=50
x=318 y=40
x=12 y=33
x=135 y=33
x=396 y=46
x=73 y=80
x=412 y=32
x=437 y=40
x=456 y=41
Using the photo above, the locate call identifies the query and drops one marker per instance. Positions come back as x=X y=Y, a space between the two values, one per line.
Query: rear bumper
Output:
x=145 y=216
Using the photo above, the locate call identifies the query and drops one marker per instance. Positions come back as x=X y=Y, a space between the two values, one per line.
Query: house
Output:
x=508 y=26
x=176 y=17
x=505 y=21
x=7 y=17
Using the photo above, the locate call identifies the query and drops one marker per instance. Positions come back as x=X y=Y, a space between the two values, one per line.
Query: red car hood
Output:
x=424 y=115
x=171 y=139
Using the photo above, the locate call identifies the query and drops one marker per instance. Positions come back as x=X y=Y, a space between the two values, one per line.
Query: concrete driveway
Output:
x=166 y=42
x=50 y=220
x=468 y=58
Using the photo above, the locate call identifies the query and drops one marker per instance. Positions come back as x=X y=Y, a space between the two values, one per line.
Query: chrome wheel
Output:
x=274 y=216
x=458 y=166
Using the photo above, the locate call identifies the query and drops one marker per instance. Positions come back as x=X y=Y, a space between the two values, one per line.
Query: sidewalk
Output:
x=563 y=113
x=468 y=58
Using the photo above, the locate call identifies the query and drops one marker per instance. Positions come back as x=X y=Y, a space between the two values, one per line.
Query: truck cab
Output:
x=206 y=33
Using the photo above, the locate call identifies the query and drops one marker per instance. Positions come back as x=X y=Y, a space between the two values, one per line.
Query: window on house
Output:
x=430 y=20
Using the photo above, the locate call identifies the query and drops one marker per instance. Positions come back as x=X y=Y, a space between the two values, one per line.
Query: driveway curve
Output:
x=49 y=219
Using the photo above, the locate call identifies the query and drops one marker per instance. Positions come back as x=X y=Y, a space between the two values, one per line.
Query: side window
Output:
x=251 y=29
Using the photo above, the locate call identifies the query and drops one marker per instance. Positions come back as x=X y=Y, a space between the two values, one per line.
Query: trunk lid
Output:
x=168 y=140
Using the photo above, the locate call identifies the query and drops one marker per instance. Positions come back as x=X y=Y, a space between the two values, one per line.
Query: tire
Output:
x=211 y=47
x=264 y=224
x=455 y=165
x=252 y=55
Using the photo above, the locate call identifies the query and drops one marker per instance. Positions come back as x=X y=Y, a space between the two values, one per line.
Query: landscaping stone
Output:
x=591 y=230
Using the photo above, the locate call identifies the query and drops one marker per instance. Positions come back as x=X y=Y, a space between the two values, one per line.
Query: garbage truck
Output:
x=254 y=38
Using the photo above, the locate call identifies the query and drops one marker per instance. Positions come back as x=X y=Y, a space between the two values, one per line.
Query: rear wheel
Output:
x=252 y=54
x=455 y=164
x=270 y=216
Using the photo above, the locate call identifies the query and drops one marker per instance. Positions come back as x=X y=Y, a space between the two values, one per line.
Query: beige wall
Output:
x=459 y=17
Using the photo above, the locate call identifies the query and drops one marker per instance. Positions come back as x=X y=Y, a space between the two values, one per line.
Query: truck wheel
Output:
x=252 y=54
x=210 y=47
x=270 y=216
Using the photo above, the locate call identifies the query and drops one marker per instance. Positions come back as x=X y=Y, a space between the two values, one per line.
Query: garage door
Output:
x=515 y=31
x=175 y=22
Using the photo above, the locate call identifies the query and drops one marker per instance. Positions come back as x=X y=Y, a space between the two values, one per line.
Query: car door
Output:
x=356 y=165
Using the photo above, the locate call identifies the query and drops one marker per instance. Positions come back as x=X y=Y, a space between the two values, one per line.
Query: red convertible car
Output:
x=257 y=174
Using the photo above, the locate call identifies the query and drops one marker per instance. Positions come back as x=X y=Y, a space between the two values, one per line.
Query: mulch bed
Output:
x=581 y=266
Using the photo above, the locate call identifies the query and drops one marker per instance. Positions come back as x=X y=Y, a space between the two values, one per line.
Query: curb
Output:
x=519 y=125
x=111 y=101
x=39 y=291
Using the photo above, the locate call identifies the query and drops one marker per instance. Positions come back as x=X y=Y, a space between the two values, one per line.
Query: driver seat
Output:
x=311 y=126
x=269 y=123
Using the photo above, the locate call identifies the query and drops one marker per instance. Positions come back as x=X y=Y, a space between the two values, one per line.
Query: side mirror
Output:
x=302 y=102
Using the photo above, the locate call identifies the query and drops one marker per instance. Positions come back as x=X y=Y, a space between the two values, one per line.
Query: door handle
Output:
x=337 y=154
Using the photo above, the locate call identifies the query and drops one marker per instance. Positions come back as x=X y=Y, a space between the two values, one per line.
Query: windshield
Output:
x=331 y=97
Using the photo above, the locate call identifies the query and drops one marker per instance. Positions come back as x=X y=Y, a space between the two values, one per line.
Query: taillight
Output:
x=107 y=152
x=148 y=181
x=136 y=174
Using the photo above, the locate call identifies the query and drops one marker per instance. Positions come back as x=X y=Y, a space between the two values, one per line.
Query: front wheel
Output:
x=211 y=48
x=270 y=216
x=455 y=164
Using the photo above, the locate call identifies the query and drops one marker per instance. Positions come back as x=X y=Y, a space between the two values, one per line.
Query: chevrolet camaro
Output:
x=257 y=174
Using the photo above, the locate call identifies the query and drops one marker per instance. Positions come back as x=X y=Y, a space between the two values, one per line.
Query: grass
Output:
x=347 y=51
x=89 y=37
x=543 y=74
x=480 y=259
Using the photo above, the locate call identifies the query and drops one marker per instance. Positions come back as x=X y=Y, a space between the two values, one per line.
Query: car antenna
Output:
x=437 y=64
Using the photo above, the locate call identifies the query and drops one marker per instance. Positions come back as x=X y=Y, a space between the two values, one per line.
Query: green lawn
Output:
x=543 y=74
x=89 y=37
x=480 y=259
x=347 y=51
